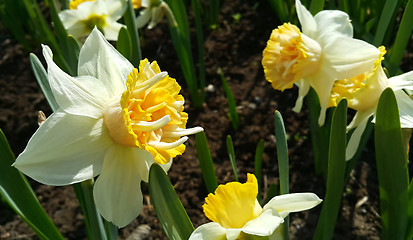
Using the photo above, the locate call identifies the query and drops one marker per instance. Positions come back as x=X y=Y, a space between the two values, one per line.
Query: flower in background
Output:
x=234 y=210
x=83 y=15
x=153 y=13
x=363 y=93
x=114 y=121
x=316 y=57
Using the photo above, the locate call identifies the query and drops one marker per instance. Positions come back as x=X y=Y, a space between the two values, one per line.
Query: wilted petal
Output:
x=101 y=60
x=84 y=96
x=209 y=231
x=293 y=202
x=59 y=154
x=117 y=191
x=264 y=224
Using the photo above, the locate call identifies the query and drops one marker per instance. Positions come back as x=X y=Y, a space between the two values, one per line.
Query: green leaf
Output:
x=387 y=13
x=231 y=101
x=16 y=191
x=231 y=154
x=258 y=166
x=205 y=162
x=41 y=76
x=169 y=210
x=197 y=11
x=316 y=6
x=283 y=162
x=335 y=173
x=391 y=168
x=129 y=18
x=409 y=233
x=124 y=44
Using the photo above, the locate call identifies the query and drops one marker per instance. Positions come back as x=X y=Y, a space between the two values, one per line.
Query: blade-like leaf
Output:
x=129 y=18
x=169 y=210
x=205 y=162
x=335 y=173
x=124 y=44
x=231 y=154
x=258 y=166
x=16 y=191
x=231 y=101
x=391 y=168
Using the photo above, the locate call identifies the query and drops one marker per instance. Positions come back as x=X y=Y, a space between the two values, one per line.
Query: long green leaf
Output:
x=283 y=162
x=316 y=6
x=16 y=191
x=391 y=168
x=258 y=166
x=197 y=10
x=335 y=174
x=386 y=15
x=205 y=162
x=169 y=210
x=231 y=154
x=409 y=233
x=129 y=18
x=124 y=44
x=402 y=38
x=231 y=101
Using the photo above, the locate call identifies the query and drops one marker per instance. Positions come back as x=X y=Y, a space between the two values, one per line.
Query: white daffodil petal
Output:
x=233 y=233
x=69 y=18
x=347 y=57
x=293 y=202
x=405 y=104
x=143 y=18
x=333 y=22
x=117 y=191
x=303 y=88
x=60 y=155
x=308 y=23
x=264 y=224
x=100 y=59
x=144 y=161
x=404 y=81
x=323 y=86
x=209 y=231
x=75 y=95
x=111 y=29
x=116 y=8
x=354 y=141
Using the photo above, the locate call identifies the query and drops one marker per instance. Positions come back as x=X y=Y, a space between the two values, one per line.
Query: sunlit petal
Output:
x=293 y=202
x=209 y=231
x=264 y=224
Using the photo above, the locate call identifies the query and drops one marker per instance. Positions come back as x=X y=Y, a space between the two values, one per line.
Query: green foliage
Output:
x=205 y=162
x=233 y=115
x=169 y=210
x=335 y=173
x=258 y=166
x=16 y=191
x=231 y=154
x=392 y=169
x=129 y=18
x=124 y=44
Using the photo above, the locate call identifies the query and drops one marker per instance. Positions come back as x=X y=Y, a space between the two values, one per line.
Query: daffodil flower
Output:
x=114 y=121
x=363 y=93
x=234 y=210
x=316 y=57
x=83 y=15
x=153 y=13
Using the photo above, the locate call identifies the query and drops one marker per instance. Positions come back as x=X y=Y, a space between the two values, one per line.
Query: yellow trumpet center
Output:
x=289 y=56
x=361 y=91
x=233 y=204
x=137 y=4
x=75 y=3
x=149 y=114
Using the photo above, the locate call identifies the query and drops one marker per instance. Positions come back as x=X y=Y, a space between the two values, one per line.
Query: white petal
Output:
x=333 y=22
x=117 y=191
x=101 y=60
x=405 y=104
x=404 y=81
x=66 y=149
x=264 y=224
x=303 y=88
x=359 y=117
x=116 y=8
x=69 y=18
x=308 y=24
x=347 y=57
x=143 y=18
x=233 y=233
x=293 y=202
x=209 y=231
x=111 y=29
x=354 y=142
x=322 y=84
x=79 y=96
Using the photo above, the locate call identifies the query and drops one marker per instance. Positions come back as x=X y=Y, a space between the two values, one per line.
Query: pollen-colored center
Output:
x=289 y=56
x=95 y=20
x=361 y=91
x=149 y=114
x=75 y=3
x=233 y=204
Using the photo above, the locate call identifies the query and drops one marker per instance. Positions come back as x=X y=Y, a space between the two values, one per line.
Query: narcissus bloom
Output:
x=316 y=57
x=234 y=210
x=114 y=121
x=363 y=93
x=153 y=12
x=83 y=15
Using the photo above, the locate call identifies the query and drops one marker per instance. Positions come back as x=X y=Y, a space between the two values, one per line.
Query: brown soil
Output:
x=236 y=47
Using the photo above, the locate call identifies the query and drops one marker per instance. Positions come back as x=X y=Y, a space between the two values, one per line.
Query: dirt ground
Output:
x=236 y=46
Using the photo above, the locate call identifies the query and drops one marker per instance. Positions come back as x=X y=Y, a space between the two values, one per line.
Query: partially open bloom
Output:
x=83 y=15
x=234 y=210
x=316 y=57
x=363 y=93
x=153 y=12
x=114 y=120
